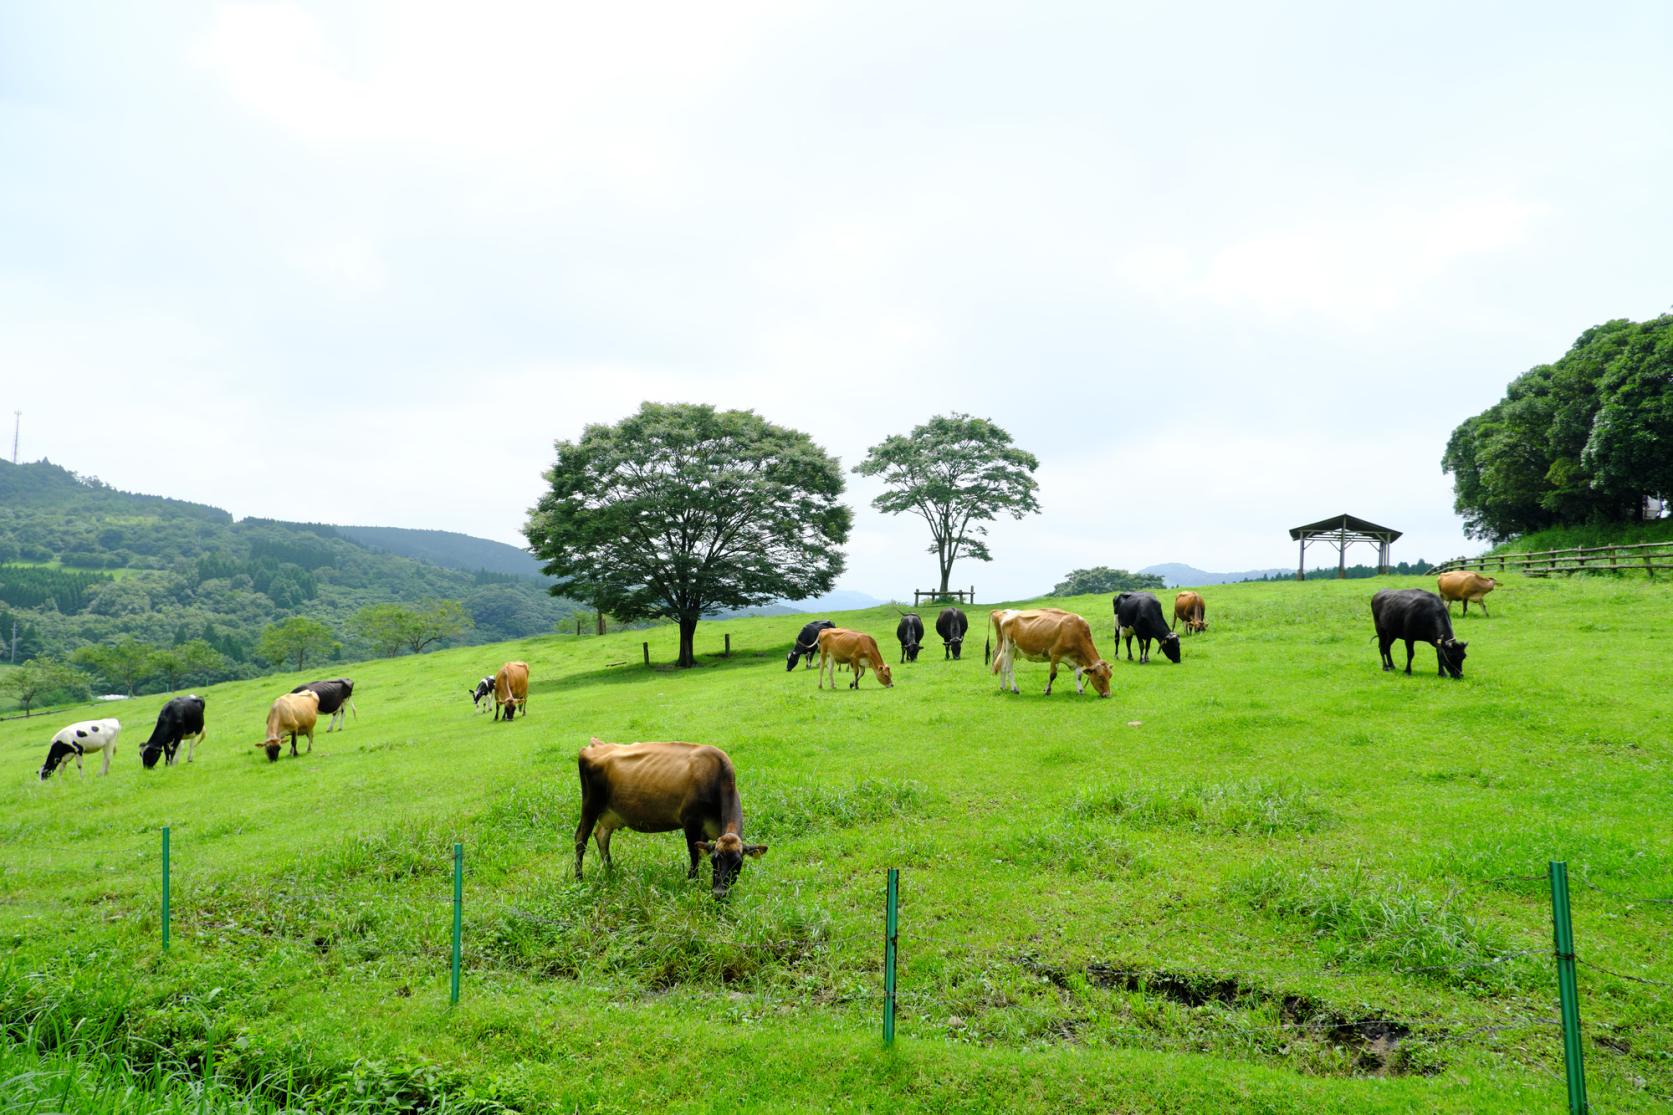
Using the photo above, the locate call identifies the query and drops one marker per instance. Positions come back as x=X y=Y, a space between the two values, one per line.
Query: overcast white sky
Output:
x=1224 y=268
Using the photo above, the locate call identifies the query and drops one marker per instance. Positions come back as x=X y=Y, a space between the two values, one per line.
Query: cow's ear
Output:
x=704 y=846
x=755 y=850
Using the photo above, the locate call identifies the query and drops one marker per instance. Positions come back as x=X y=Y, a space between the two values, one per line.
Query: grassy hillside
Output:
x=1271 y=878
x=1607 y=534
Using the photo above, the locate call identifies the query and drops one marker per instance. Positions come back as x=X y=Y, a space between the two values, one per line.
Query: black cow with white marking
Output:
x=1140 y=614
x=78 y=739
x=910 y=632
x=807 y=644
x=483 y=695
x=951 y=625
x=1417 y=617
x=334 y=696
x=180 y=719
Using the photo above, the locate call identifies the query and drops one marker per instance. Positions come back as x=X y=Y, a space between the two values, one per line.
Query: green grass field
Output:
x=1271 y=878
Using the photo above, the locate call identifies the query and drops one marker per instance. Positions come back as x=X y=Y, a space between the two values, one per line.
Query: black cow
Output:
x=181 y=718
x=483 y=692
x=1416 y=616
x=910 y=632
x=1140 y=613
x=333 y=695
x=807 y=644
x=951 y=625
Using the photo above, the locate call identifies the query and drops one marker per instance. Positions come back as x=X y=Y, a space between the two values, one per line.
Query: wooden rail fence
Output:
x=1645 y=557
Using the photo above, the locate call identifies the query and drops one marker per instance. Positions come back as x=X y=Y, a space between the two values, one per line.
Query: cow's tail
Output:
x=354 y=710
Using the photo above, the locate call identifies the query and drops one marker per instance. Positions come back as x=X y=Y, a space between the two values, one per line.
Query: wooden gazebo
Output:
x=1343 y=531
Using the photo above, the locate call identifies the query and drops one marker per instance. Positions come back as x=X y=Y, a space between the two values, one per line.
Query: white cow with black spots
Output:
x=77 y=740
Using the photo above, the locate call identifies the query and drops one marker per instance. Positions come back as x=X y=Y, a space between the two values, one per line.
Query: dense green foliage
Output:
x=958 y=474
x=393 y=628
x=1580 y=441
x=1601 y=534
x=1271 y=878
x=682 y=511
x=1101 y=578
x=82 y=564
x=44 y=681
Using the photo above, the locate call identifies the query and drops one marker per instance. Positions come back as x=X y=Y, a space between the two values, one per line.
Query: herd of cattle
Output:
x=692 y=788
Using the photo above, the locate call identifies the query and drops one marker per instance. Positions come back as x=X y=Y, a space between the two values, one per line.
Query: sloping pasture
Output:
x=1271 y=878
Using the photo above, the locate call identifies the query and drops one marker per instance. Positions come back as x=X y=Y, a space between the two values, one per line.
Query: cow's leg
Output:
x=694 y=833
x=1080 y=680
x=1409 y=653
x=108 y=750
x=1484 y=610
x=1384 y=643
x=293 y=745
x=859 y=672
x=1051 y=676
x=584 y=831
x=602 y=835
x=192 y=747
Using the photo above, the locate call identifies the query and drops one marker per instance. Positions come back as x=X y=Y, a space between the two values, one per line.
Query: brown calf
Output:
x=842 y=647
x=1465 y=585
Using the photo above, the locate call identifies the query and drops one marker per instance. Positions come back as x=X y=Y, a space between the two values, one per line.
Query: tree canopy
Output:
x=681 y=510
x=1101 y=578
x=1580 y=441
x=393 y=628
x=298 y=638
x=957 y=473
x=43 y=681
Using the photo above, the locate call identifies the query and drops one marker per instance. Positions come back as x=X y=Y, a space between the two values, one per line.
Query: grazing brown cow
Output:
x=660 y=787
x=1047 y=635
x=1188 y=606
x=295 y=714
x=511 y=688
x=1462 y=584
x=842 y=647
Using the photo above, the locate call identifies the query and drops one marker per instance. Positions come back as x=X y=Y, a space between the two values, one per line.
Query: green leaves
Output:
x=1101 y=578
x=681 y=509
x=957 y=473
x=394 y=628
x=298 y=638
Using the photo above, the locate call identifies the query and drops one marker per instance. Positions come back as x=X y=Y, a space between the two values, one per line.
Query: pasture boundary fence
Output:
x=1562 y=951
x=1645 y=557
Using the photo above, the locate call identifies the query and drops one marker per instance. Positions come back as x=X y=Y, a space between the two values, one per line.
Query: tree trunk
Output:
x=688 y=629
x=946 y=575
x=601 y=622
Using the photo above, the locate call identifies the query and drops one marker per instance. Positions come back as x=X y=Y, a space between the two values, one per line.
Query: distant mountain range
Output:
x=1175 y=573
x=447 y=549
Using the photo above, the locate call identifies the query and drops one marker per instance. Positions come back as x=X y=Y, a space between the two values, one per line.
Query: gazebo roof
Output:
x=1336 y=524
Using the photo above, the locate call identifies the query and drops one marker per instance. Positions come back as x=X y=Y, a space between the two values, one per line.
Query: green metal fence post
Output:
x=165 y=888
x=1568 y=991
x=891 y=935
x=458 y=913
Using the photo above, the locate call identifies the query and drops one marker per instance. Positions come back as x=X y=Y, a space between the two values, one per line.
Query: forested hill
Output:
x=84 y=563
x=447 y=549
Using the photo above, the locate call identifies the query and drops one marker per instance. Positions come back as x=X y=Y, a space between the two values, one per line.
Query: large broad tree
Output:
x=957 y=473
x=40 y=680
x=297 y=638
x=681 y=510
x=393 y=628
x=123 y=665
x=1101 y=578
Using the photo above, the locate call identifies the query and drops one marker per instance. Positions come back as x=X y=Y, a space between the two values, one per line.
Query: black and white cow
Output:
x=1417 y=617
x=807 y=644
x=1140 y=613
x=951 y=625
x=77 y=740
x=483 y=695
x=333 y=695
x=910 y=632
x=180 y=719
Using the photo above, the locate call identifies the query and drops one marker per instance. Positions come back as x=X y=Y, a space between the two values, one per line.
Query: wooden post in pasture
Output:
x=458 y=914
x=165 y=888
x=727 y=653
x=891 y=937
x=1568 y=991
x=647 y=648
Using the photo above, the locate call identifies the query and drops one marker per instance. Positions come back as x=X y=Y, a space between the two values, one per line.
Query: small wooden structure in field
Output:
x=1342 y=531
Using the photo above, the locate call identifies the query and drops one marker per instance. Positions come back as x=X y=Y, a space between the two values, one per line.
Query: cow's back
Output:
x=293 y=712
x=651 y=786
x=512 y=680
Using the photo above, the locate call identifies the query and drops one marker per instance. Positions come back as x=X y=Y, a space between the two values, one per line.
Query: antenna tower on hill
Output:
x=17 y=425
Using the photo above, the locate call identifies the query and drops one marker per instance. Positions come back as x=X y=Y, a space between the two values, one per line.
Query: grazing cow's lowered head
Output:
x=56 y=754
x=1170 y=646
x=726 y=856
x=1099 y=673
x=883 y=675
x=272 y=747
x=1451 y=654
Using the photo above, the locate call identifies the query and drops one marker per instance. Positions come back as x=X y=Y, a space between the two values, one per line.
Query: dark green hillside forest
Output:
x=85 y=565
x=1578 y=442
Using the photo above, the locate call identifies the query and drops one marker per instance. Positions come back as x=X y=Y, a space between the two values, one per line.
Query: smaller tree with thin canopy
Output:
x=957 y=473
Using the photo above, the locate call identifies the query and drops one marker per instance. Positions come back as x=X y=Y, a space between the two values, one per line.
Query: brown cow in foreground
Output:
x=1462 y=584
x=1188 y=606
x=295 y=714
x=511 y=688
x=660 y=787
x=1047 y=635
x=842 y=647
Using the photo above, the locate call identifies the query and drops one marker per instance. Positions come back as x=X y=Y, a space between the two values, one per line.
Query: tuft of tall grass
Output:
x=1251 y=807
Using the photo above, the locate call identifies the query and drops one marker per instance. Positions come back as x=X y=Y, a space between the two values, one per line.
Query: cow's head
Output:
x=272 y=747
x=1198 y=625
x=912 y=651
x=1451 y=654
x=1099 y=672
x=148 y=754
x=957 y=643
x=56 y=754
x=727 y=856
x=884 y=676
x=1170 y=646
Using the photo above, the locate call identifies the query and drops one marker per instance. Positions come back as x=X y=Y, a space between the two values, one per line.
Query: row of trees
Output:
x=1579 y=441
x=681 y=510
x=1101 y=578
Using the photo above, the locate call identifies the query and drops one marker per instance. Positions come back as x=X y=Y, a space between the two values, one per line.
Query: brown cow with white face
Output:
x=1468 y=586
x=839 y=646
x=1188 y=606
x=1047 y=635
x=661 y=787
